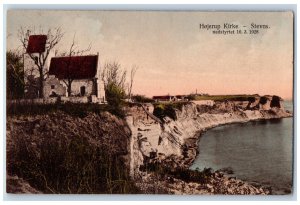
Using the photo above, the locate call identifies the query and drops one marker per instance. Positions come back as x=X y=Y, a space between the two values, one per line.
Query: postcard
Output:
x=149 y=102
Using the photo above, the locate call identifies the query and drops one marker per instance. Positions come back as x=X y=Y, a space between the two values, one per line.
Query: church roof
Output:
x=74 y=67
x=36 y=44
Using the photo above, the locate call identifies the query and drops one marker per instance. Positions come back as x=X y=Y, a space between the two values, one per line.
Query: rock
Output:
x=227 y=170
x=209 y=186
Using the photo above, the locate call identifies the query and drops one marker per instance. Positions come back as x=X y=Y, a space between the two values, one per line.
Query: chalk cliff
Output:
x=175 y=141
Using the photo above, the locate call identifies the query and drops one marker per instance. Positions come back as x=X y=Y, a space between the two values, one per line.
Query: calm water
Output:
x=259 y=151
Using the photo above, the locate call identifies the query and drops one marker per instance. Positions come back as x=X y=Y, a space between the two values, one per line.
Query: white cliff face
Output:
x=135 y=154
x=173 y=138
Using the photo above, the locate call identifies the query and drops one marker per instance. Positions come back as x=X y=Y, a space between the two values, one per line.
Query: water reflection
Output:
x=275 y=121
x=264 y=122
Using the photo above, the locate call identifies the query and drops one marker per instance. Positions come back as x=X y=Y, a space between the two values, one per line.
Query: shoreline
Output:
x=190 y=120
x=225 y=173
x=206 y=130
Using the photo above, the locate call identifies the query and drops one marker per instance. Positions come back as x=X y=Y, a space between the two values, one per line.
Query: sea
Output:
x=258 y=151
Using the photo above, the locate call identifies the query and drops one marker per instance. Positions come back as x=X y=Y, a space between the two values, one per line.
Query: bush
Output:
x=159 y=111
x=14 y=75
x=162 y=110
x=114 y=95
x=191 y=97
x=68 y=166
x=263 y=100
x=142 y=99
x=184 y=174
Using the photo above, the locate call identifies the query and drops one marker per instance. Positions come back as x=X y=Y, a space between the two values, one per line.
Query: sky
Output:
x=173 y=55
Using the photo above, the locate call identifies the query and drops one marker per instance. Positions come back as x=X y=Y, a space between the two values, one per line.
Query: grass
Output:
x=68 y=166
x=225 y=97
x=142 y=99
x=74 y=109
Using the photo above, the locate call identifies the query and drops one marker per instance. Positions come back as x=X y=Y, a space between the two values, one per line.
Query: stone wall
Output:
x=53 y=87
x=87 y=83
x=83 y=99
x=51 y=100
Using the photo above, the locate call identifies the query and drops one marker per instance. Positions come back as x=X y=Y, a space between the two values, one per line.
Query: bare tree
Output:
x=112 y=73
x=53 y=38
x=73 y=51
x=133 y=70
x=114 y=78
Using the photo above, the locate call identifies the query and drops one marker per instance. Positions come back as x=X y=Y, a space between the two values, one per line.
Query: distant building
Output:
x=162 y=98
x=180 y=97
x=165 y=98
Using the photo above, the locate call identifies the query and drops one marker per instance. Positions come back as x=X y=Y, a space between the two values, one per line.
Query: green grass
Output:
x=224 y=97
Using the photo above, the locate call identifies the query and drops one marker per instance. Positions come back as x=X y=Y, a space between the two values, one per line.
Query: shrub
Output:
x=162 y=110
x=142 y=99
x=73 y=166
x=14 y=75
x=191 y=97
x=114 y=96
x=184 y=174
x=251 y=99
x=263 y=100
x=159 y=111
x=275 y=102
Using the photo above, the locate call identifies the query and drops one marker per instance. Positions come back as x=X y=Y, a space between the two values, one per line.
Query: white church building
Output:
x=83 y=71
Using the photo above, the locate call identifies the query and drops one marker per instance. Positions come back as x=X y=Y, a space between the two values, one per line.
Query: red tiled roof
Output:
x=36 y=44
x=75 y=67
x=164 y=97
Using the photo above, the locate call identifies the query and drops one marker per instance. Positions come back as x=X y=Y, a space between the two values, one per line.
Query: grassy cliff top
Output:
x=224 y=97
x=73 y=109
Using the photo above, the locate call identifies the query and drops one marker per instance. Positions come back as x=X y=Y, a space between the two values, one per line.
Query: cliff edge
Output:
x=173 y=140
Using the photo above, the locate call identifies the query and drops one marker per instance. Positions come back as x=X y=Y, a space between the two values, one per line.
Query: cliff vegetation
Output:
x=67 y=149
